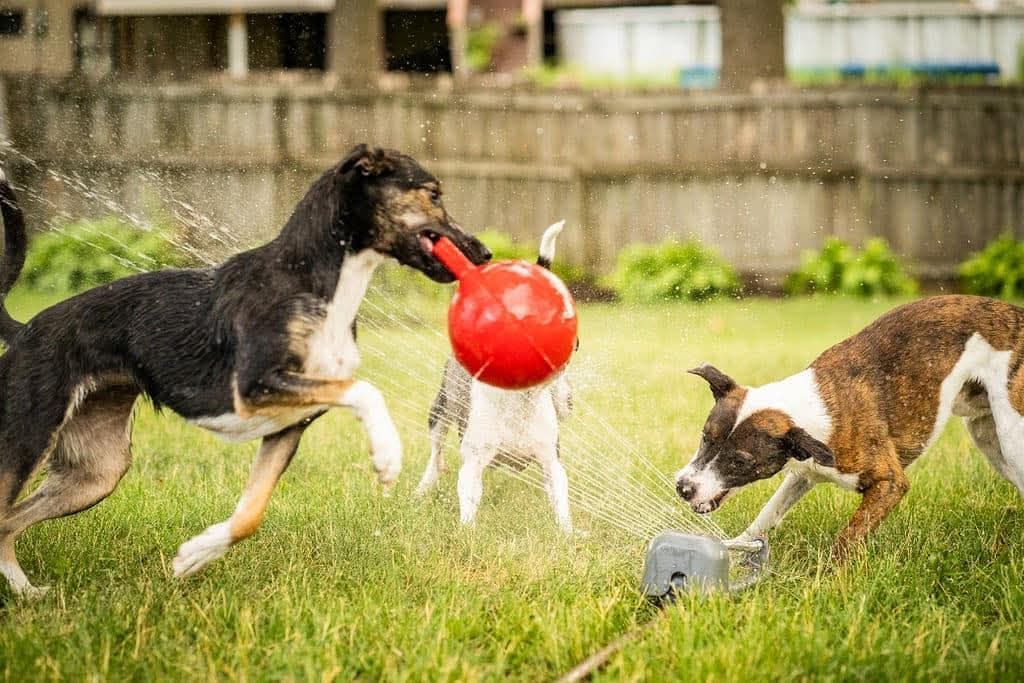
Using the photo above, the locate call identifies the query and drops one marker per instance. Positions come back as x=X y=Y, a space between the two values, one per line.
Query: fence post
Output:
x=5 y=133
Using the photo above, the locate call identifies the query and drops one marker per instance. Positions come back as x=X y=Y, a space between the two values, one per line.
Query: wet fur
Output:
x=263 y=343
x=867 y=408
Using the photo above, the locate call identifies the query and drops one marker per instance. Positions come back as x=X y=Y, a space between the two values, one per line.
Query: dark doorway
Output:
x=303 y=41
x=416 y=40
x=12 y=21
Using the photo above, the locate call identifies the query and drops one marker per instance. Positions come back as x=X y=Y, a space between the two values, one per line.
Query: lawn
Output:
x=343 y=583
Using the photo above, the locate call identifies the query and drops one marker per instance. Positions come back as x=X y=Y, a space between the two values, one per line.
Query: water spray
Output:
x=676 y=562
x=513 y=325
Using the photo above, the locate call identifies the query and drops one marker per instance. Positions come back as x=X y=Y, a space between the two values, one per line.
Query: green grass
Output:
x=342 y=583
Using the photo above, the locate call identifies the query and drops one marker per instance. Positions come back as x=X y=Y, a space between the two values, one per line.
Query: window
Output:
x=416 y=40
x=93 y=51
x=303 y=40
x=287 y=41
x=12 y=21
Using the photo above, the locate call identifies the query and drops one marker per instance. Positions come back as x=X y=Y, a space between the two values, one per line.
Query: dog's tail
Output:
x=546 y=256
x=15 y=246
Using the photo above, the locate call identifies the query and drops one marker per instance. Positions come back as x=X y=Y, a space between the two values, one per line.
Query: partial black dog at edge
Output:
x=257 y=347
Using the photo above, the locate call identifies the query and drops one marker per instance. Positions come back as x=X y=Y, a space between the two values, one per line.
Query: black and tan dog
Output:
x=866 y=409
x=257 y=347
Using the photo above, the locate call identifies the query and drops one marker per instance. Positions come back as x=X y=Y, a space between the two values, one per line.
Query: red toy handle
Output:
x=452 y=258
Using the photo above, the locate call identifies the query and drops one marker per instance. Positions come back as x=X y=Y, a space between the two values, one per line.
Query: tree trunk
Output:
x=753 y=42
x=354 y=41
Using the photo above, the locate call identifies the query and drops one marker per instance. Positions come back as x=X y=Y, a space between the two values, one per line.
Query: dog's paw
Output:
x=196 y=553
x=844 y=551
x=30 y=592
x=387 y=455
x=745 y=537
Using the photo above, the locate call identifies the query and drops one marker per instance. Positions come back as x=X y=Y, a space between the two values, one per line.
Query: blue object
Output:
x=933 y=70
x=698 y=77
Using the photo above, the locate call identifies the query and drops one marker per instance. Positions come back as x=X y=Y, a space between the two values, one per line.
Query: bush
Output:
x=84 y=254
x=672 y=271
x=997 y=270
x=480 y=44
x=839 y=269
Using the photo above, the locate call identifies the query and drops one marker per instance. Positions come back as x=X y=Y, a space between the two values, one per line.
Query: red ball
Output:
x=512 y=324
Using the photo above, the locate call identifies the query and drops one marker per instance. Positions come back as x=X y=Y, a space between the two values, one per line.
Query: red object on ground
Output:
x=512 y=324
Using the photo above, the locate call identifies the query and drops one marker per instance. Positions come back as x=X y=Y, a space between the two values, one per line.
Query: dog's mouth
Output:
x=706 y=506
x=428 y=238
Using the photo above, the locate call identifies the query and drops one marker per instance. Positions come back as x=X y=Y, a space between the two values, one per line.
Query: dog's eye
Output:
x=435 y=195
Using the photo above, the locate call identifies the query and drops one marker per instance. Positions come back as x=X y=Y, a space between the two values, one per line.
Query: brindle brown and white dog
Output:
x=257 y=347
x=866 y=409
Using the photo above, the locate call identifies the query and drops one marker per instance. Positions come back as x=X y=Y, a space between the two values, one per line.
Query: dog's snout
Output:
x=685 y=489
x=477 y=251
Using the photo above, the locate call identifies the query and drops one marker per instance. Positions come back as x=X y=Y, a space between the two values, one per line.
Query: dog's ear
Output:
x=368 y=161
x=720 y=383
x=803 y=446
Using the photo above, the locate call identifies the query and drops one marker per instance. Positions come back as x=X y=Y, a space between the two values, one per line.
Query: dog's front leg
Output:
x=273 y=458
x=285 y=388
x=792 y=489
x=879 y=500
x=368 y=404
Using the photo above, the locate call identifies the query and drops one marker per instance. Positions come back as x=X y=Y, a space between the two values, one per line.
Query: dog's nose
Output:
x=685 y=489
x=485 y=253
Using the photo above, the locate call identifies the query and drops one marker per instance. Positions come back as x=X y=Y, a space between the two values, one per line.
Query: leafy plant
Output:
x=997 y=270
x=672 y=271
x=84 y=254
x=839 y=269
x=480 y=44
x=561 y=76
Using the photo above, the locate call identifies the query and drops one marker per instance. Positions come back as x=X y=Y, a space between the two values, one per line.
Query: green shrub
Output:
x=997 y=270
x=672 y=271
x=84 y=254
x=480 y=44
x=839 y=269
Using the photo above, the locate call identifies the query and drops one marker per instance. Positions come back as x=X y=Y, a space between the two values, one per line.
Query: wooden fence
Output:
x=937 y=172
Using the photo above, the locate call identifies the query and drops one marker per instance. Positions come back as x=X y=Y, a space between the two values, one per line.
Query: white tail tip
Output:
x=547 y=241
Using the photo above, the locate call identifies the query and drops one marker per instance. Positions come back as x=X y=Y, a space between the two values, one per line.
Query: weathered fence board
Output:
x=937 y=172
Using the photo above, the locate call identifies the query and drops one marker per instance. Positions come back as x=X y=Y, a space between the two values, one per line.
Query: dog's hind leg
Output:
x=438 y=424
x=556 y=482
x=90 y=454
x=475 y=459
x=986 y=437
x=273 y=458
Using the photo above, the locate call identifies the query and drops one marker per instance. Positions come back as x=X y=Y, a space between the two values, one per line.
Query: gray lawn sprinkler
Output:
x=678 y=562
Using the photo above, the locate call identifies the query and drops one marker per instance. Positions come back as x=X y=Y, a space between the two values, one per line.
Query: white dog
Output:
x=501 y=426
